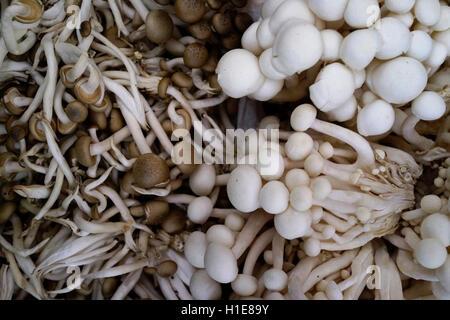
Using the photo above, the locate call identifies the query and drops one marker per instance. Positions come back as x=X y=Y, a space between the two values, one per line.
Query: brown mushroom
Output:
x=190 y=11
x=214 y=4
x=109 y=286
x=115 y=120
x=98 y=119
x=85 y=96
x=149 y=170
x=166 y=268
x=158 y=26
x=222 y=23
x=63 y=76
x=175 y=221
x=82 y=151
x=182 y=80
x=6 y=210
x=34 y=13
x=200 y=30
x=76 y=111
x=155 y=211
x=242 y=21
x=9 y=97
x=195 y=55
x=163 y=84
x=127 y=183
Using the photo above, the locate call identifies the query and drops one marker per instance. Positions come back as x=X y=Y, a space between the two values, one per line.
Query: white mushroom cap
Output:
x=203 y=179
x=195 y=248
x=427 y=12
x=359 y=47
x=301 y=198
x=270 y=163
x=399 y=80
x=399 y=6
x=290 y=9
x=436 y=226
x=430 y=253
x=406 y=18
x=314 y=165
x=320 y=187
x=268 y=90
x=444 y=19
x=443 y=274
x=368 y=97
x=326 y=150
x=316 y=214
x=243 y=188
x=428 y=106
x=200 y=209
x=332 y=41
x=298 y=146
x=328 y=10
x=395 y=38
x=444 y=38
x=375 y=118
x=400 y=117
x=234 y=221
x=220 y=234
x=312 y=247
x=421 y=45
x=274 y=197
x=303 y=117
x=275 y=279
x=438 y=55
x=296 y=177
x=249 y=41
x=265 y=35
x=361 y=13
x=269 y=7
x=273 y=295
x=292 y=224
x=297 y=47
x=245 y=285
x=333 y=86
x=220 y=263
x=360 y=77
x=345 y=111
x=238 y=73
x=266 y=66
x=430 y=203
x=202 y=287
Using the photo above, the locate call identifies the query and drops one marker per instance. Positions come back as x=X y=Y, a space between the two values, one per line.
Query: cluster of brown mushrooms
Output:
x=97 y=97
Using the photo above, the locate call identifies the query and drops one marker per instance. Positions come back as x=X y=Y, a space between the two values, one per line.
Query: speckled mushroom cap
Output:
x=190 y=11
x=150 y=170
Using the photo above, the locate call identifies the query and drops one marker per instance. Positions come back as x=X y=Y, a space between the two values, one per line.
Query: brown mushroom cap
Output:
x=214 y=4
x=76 y=111
x=109 y=286
x=222 y=22
x=195 y=55
x=163 y=84
x=200 y=30
x=190 y=11
x=166 y=268
x=155 y=211
x=85 y=28
x=35 y=128
x=67 y=128
x=10 y=94
x=242 y=21
x=182 y=80
x=83 y=95
x=239 y=3
x=6 y=210
x=127 y=182
x=98 y=119
x=163 y=2
x=158 y=26
x=82 y=151
x=150 y=170
x=175 y=221
x=231 y=41
x=62 y=75
x=115 y=120
x=34 y=13
x=18 y=132
x=102 y=106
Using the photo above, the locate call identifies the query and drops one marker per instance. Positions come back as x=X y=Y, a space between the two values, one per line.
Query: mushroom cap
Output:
x=361 y=13
x=395 y=38
x=443 y=37
x=203 y=287
x=220 y=234
x=7 y=208
x=249 y=40
x=399 y=6
x=150 y=170
x=320 y=187
x=35 y=11
x=303 y=117
x=275 y=279
x=436 y=226
x=312 y=247
x=243 y=188
x=332 y=41
x=200 y=209
x=345 y=111
x=190 y=11
x=430 y=253
x=238 y=73
x=264 y=34
x=443 y=274
x=269 y=7
x=375 y=118
x=421 y=45
x=297 y=47
x=301 y=198
x=158 y=26
x=359 y=47
x=82 y=151
x=296 y=177
x=195 y=55
x=431 y=203
x=428 y=106
x=270 y=164
x=427 y=12
x=298 y=146
x=244 y=285
x=290 y=9
x=438 y=55
x=292 y=224
x=333 y=86
x=234 y=221
x=195 y=248
x=76 y=111
x=268 y=90
x=220 y=263
x=202 y=180
x=328 y=10
x=267 y=68
x=444 y=19
x=274 y=197
x=398 y=81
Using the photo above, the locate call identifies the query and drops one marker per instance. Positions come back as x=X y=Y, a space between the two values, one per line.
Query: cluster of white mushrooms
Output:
x=98 y=98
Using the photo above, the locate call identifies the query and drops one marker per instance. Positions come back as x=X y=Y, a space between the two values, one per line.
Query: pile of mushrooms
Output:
x=101 y=196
